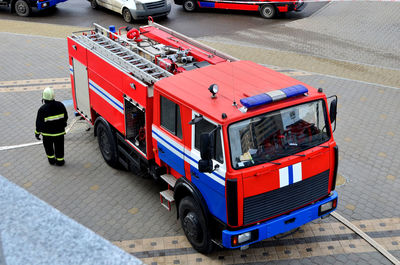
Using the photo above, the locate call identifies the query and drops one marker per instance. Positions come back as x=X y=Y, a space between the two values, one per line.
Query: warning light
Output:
x=272 y=96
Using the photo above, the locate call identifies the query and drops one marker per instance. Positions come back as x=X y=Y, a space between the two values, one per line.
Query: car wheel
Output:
x=189 y=5
x=267 y=11
x=93 y=4
x=107 y=144
x=194 y=225
x=22 y=8
x=126 y=14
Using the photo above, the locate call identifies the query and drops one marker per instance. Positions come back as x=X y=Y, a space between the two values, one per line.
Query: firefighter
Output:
x=51 y=121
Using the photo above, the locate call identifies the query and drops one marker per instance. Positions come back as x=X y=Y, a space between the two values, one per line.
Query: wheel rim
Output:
x=268 y=11
x=105 y=144
x=21 y=8
x=192 y=227
x=127 y=16
x=189 y=5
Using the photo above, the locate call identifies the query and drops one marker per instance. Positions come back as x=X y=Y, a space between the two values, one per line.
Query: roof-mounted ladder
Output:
x=124 y=53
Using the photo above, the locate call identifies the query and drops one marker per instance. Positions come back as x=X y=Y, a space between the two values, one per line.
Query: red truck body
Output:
x=254 y=159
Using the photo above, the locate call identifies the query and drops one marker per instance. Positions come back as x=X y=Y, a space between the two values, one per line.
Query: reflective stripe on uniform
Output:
x=51 y=156
x=60 y=159
x=55 y=117
x=53 y=134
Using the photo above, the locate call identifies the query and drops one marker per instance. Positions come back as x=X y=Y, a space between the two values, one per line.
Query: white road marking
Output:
x=9 y=147
x=367 y=238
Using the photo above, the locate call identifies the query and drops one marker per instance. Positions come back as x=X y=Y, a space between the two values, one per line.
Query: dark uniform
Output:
x=51 y=122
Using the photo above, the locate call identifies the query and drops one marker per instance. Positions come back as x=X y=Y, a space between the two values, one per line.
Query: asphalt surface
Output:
x=202 y=23
x=125 y=208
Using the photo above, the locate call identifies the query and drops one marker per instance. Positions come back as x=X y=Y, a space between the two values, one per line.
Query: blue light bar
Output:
x=272 y=96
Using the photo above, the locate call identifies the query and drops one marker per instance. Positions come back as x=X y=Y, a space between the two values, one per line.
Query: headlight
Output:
x=244 y=237
x=139 y=5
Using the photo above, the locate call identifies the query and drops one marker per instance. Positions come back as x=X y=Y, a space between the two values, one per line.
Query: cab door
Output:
x=169 y=135
x=211 y=185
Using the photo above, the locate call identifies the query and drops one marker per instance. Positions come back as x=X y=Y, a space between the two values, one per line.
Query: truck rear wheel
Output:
x=22 y=8
x=267 y=11
x=108 y=144
x=189 y=5
x=194 y=225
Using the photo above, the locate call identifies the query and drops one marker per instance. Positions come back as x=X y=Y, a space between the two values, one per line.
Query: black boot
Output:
x=52 y=161
x=60 y=162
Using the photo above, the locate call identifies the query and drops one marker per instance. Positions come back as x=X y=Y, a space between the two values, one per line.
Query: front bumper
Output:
x=156 y=12
x=47 y=4
x=280 y=224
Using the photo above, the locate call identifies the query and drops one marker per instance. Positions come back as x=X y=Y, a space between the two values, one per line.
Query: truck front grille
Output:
x=155 y=5
x=279 y=201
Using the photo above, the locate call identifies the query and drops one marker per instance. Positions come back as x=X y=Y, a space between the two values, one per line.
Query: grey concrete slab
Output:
x=32 y=232
x=31 y=57
x=363 y=32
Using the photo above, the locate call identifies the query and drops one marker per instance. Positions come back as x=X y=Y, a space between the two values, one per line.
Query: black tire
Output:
x=268 y=11
x=126 y=14
x=108 y=144
x=22 y=8
x=194 y=225
x=189 y=5
x=93 y=4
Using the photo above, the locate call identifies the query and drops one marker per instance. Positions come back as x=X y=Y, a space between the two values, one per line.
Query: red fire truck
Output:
x=247 y=152
x=267 y=8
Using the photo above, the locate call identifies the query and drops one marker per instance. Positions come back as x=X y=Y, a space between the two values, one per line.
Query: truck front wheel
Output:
x=22 y=8
x=267 y=11
x=108 y=144
x=194 y=225
x=189 y=5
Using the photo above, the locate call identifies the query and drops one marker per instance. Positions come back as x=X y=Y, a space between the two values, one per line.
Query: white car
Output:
x=135 y=9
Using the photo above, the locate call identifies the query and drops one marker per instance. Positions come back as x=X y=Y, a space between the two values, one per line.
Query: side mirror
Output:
x=333 y=110
x=205 y=164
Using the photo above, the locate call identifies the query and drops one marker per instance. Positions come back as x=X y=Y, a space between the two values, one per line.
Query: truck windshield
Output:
x=278 y=134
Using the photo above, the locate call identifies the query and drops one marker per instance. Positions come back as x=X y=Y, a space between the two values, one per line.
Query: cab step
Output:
x=171 y=180
x=167 y=199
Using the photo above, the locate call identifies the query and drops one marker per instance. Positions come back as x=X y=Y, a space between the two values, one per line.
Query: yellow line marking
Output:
x=34 y=84
x=34 y=81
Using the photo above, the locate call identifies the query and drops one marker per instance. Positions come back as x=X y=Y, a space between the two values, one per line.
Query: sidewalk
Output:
x=32 y=232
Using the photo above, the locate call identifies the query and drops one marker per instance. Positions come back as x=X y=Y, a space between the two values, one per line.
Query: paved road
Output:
x=124 y=208
x=198 y=24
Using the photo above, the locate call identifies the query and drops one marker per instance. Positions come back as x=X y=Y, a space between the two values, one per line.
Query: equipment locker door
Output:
x=81 y=86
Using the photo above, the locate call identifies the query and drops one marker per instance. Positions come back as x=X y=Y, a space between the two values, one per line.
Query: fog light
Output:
x=326 y=206
x=244 y=237
x=44 y=4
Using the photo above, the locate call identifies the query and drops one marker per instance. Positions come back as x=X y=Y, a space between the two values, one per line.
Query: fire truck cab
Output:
x=247 y=152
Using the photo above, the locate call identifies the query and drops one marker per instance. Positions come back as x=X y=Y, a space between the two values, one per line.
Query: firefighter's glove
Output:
x=37 y=136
